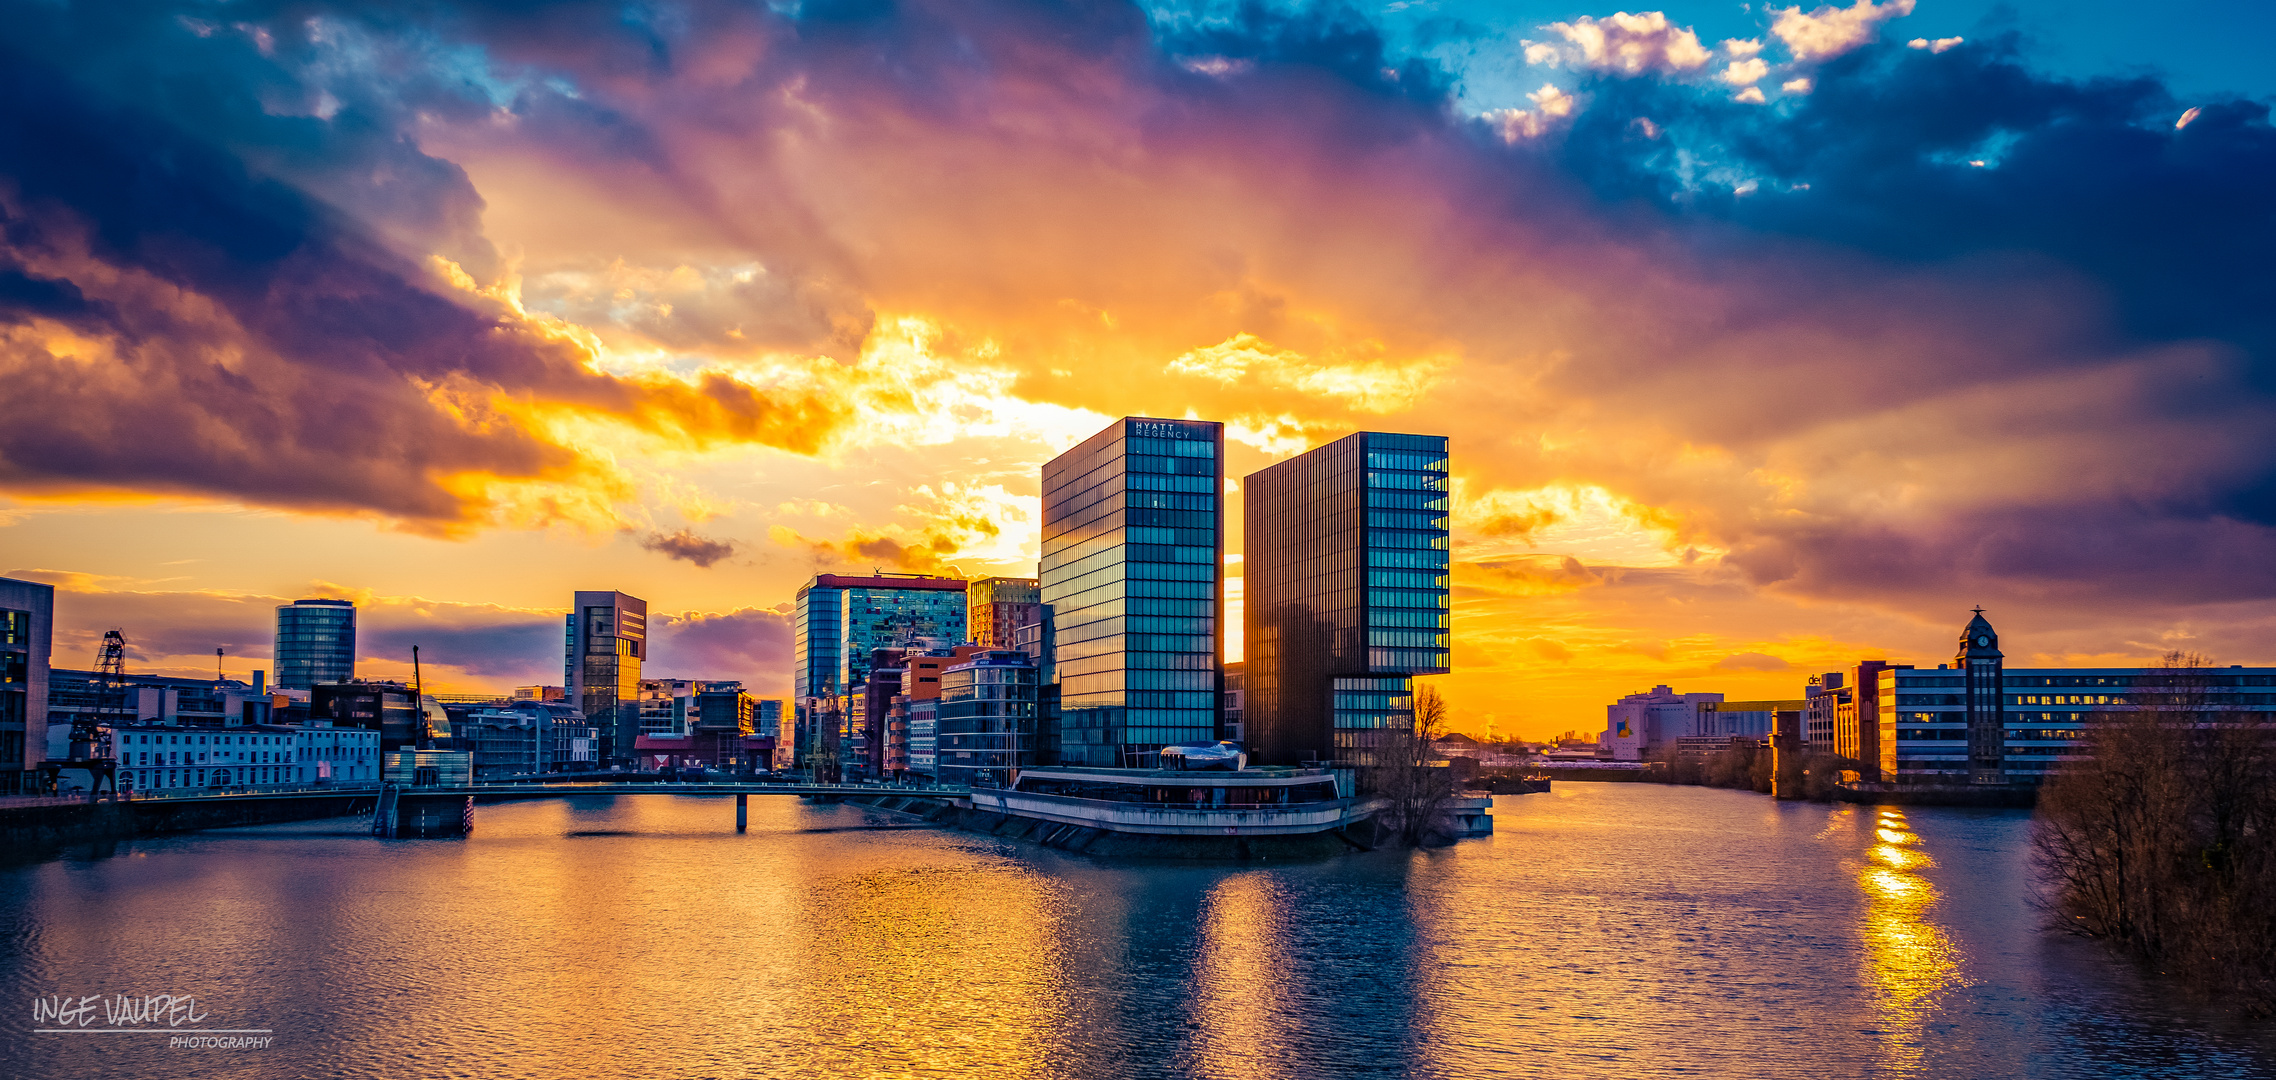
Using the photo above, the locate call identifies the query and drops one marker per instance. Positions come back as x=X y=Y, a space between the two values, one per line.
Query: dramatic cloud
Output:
x=1923 y=327
x=688 y=547
x=751 y=645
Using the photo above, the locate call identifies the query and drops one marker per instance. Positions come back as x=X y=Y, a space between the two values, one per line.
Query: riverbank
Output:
x=35 y=832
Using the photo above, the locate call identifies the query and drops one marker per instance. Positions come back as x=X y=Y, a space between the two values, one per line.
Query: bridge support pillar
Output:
x=742 y=813
x=403 y=813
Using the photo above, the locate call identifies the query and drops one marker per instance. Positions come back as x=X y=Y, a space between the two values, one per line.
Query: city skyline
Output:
x=1724 y=427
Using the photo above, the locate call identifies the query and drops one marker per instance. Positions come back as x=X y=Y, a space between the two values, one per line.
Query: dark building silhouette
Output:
x=1346 y=567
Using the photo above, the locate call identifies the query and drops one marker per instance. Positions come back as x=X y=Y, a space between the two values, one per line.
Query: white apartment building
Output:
x=159 y=757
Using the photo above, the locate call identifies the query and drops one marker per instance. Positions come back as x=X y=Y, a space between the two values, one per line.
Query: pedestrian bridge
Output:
x=512 y=788
x=448 y=809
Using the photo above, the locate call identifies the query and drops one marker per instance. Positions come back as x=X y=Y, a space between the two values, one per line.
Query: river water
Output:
x=1605 y=930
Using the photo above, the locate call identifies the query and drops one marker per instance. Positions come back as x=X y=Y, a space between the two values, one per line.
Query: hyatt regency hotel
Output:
x=1133 y=542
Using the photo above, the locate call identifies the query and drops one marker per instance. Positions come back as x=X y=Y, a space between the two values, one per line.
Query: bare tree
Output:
x=2160 y=835
x=1417 y=792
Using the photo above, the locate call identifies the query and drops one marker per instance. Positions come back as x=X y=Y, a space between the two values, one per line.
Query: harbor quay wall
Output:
x=35 y=832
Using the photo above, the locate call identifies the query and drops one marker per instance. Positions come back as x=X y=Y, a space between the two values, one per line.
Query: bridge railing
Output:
x=240 y=791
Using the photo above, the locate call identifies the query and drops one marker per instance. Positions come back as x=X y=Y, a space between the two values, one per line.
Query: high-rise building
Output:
x=886 y=611
x=837 y=622
x=316 y=643
x=27 y=621
x=1133 y=545
x=607 y=640
x=1345 y=565
x=999 y=606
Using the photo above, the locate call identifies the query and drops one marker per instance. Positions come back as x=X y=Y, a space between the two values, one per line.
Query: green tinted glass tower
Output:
x=1133 y=543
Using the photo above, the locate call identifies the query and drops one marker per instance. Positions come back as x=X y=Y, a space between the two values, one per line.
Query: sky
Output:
x=1768 y=338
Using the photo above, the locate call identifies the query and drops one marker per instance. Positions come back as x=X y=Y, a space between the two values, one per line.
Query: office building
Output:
x=717 y=730
x=895 y=610
x=1822 y=701
x=1346 y=578
x=1036 y=640
x=905 y=694
x=74 y=695
x=404 y=719
x=1935 y=725
x=987 y=719
x=606 y=642
x=665 y=705
x=1747 y=719
x=27 y=633
x=769 y=717
x=1643 y=726
x=1133 y=544
x=998 y=607
x=316 y=642
x=837 y=620
x=1235 y=698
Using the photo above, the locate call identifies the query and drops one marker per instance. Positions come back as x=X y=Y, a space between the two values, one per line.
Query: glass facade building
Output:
x=892 y=610
x=1133 y=544
x=316 y=643
x=813 y=664
x=838 y=620
x=27 y=619
x=606 y=642
x=1347 y=600
x=985 y=728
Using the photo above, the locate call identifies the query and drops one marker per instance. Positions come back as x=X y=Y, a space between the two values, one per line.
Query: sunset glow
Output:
x=1759 y=354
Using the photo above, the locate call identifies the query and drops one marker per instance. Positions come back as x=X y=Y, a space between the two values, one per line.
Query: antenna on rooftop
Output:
x=217 y=675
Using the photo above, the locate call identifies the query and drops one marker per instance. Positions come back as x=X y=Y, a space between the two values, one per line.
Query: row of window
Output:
x=1173 y=571
x=1185 y=466
x=1419 y=560
x=1161 y=500
x=1164 y=553
x=1404 y=579
x=1387 y=598
x=1410 y=617
x=1397 y=459
x=1174 y=519
x=1407 y=659
x=1135 y=446
x=1400 y=481
x=1409 y=639
x=1406 y=519
x=1405 y=500
x=1144 y=482
x=1391 y=538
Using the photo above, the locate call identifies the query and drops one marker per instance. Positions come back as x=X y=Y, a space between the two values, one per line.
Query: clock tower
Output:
x=1981 y=665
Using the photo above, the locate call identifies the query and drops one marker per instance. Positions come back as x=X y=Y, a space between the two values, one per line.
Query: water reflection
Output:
x=1240 y=1001
x=1605 y=931
x=1909 y=958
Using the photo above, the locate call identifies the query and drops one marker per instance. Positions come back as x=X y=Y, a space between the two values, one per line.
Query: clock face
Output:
x=1983 y=640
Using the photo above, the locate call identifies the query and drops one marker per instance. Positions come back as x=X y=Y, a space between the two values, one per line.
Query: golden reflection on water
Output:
x=1242 y=983
x=1909 y=958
